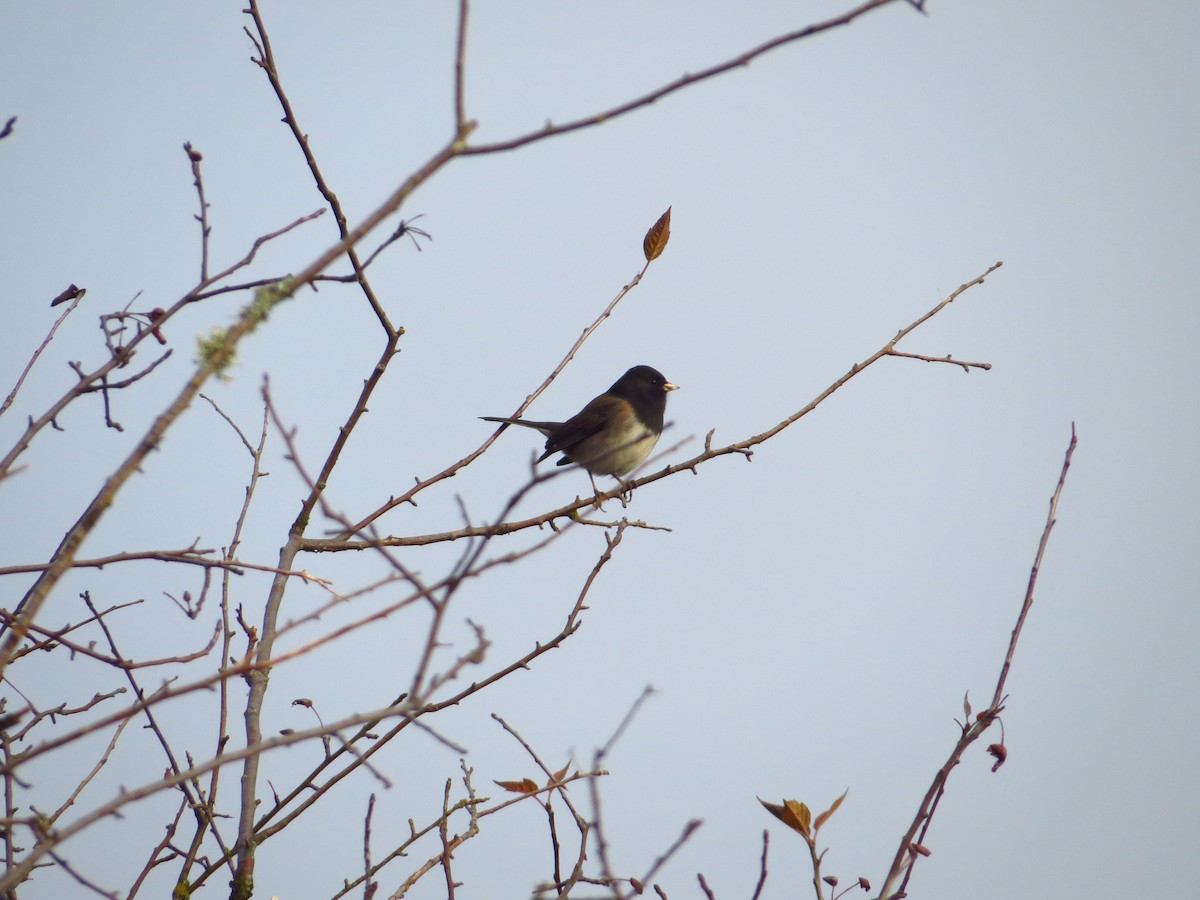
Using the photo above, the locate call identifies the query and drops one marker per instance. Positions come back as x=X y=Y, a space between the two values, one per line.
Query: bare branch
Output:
x=905 y=859
x=460 y=52
x=124 y=354
x=966 y=366
x=266 y=61
x=684 y=81
x=762 y=867
x=76 y=296
x=194 y=158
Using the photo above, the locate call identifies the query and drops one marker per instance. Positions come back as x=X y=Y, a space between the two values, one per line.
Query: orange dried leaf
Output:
x=558 y=776
x=794 y=815
x=656 y=238
x=524 y=786
x=801 y=814
x=824 y=817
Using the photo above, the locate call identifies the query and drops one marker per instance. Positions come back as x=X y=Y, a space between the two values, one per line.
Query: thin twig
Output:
x=1051 y=519
x=684 y=81
x=460 y=52
x=444 y=835
x=194 y=158
x=121 y=358
x=688 y=830
x=53 y=637
x=598 y=765
x=911 y=844
x=266 y=61
x=966 y=366
x=369 y=886
x=12 y=395
x=762 y=867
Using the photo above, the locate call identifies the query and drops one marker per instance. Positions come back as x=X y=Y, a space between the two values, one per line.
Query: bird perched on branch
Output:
x=615 y=432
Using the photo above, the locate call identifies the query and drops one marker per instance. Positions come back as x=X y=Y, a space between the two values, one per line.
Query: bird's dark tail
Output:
x=543 y=427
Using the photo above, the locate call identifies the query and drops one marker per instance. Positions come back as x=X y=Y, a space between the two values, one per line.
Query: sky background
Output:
x=813 y=618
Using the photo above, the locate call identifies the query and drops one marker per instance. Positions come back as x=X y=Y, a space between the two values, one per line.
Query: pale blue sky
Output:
x=814 y=618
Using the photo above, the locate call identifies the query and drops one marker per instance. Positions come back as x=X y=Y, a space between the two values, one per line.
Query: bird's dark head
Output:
x=646 y=389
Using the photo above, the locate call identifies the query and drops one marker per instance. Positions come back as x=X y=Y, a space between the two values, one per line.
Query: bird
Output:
x=615 y=432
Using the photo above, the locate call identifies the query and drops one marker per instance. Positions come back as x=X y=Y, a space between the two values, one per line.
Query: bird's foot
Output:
x=626 y=493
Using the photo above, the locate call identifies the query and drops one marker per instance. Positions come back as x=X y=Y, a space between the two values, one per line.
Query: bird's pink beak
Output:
x=670 y=387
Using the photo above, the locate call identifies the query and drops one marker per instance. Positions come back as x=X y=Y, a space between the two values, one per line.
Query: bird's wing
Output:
x=588 y=422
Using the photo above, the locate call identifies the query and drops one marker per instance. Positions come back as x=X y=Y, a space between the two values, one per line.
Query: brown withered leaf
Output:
x=655 y=241
x=824 y=817
x=783 y=814
x=558 y=776
x=1000 y=752
x=793 y=814
x=524 y=786
x=71 y=293
x=802 y=814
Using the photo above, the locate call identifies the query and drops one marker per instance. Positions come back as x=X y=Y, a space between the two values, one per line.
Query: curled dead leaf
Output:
x=524 y=786
x=1000 y=752
x=655 y=241
x=558 y=776
x=794 y=815
x=824 y=817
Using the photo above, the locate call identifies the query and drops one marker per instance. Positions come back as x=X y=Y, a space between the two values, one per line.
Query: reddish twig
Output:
x=762 y=867
x=912 y=844
x=194 y=158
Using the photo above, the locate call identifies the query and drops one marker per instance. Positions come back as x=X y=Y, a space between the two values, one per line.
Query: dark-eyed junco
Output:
x=615 y=432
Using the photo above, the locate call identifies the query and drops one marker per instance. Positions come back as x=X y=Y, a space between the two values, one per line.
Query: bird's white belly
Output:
x=635 y=444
